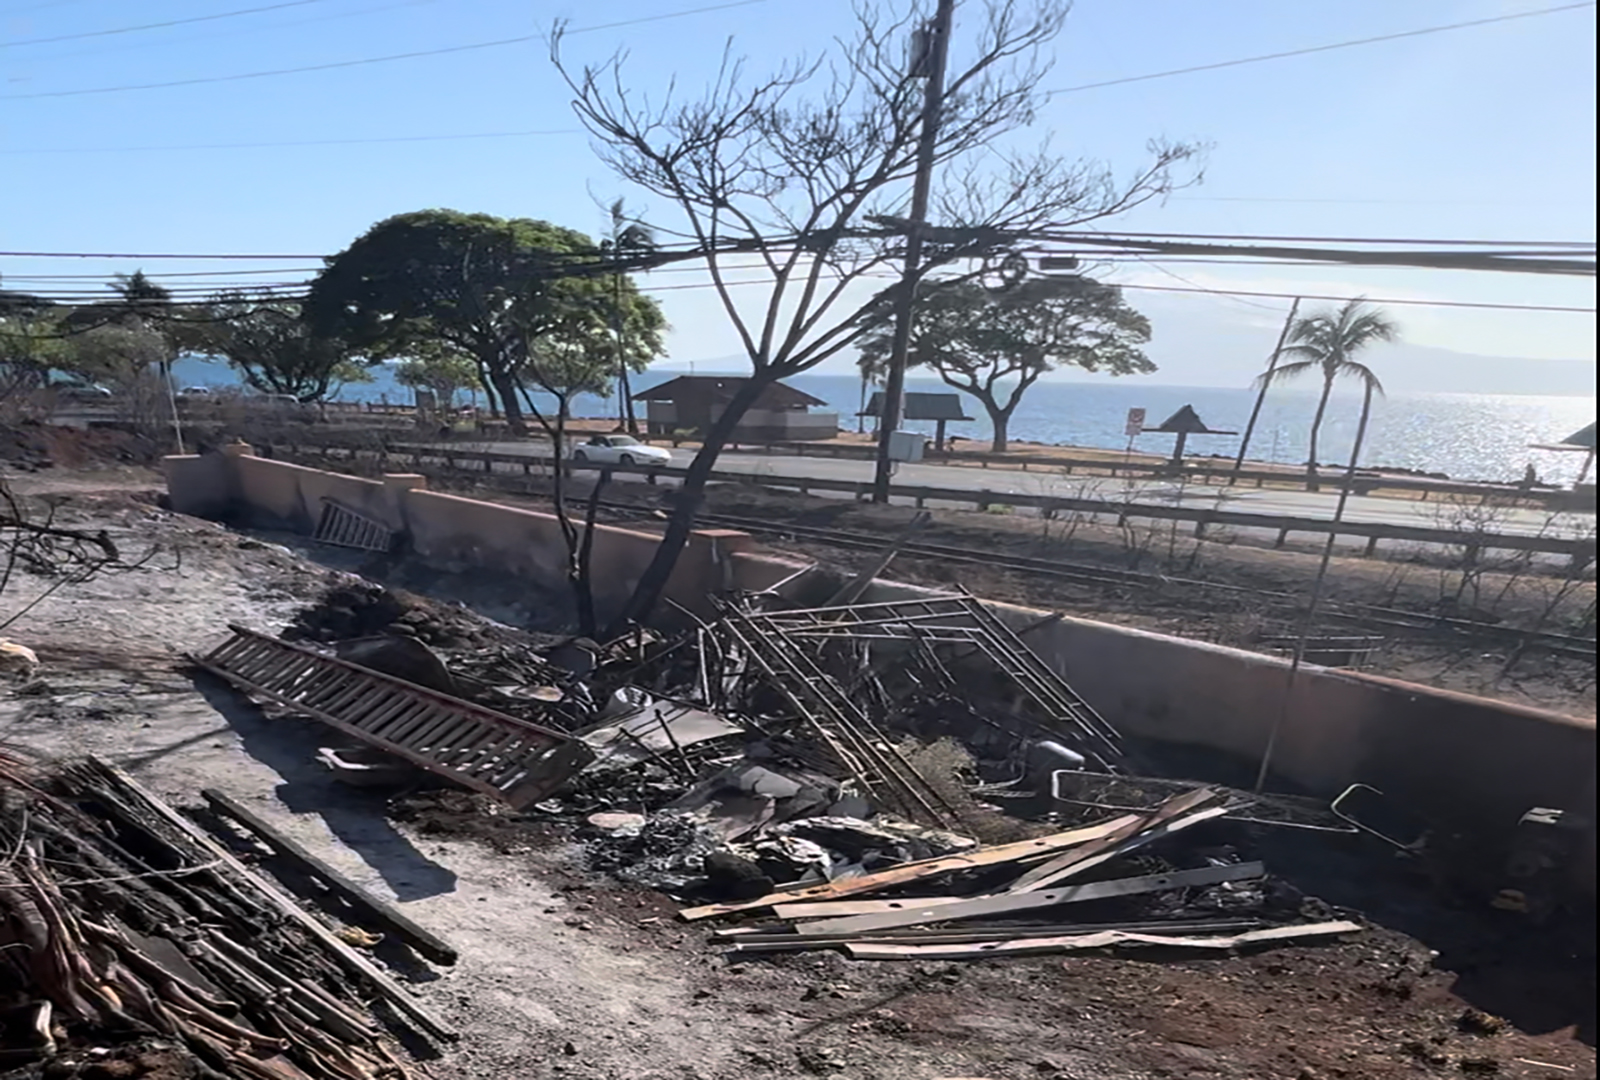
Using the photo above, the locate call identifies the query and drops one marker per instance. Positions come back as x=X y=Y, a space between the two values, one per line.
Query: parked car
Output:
x=195 y=392
x=284 y=406
x=83 y=392
x=620 y=450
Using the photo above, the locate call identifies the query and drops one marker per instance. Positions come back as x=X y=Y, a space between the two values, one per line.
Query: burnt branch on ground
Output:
x=33 y=540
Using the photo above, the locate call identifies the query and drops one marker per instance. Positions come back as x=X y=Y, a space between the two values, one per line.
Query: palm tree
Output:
x=627 y=239
x=1327 y=342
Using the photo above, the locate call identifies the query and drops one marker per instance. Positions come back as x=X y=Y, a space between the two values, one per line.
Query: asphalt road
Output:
x=1433 y=514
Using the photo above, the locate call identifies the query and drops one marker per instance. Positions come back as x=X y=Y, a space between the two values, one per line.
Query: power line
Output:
x=1349 y=202
x=1369 y=299
x=298 y=142
x=126 y=255
x=1111 y=236
x=167 y=43
x=40 y=7
x=173 y=274
x=521 y=39
x=161 y=25
x=1323 y=48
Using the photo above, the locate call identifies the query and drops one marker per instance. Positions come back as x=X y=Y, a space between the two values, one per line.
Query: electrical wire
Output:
x=1100 y=237
x=520 y=39
x=167 y=43
x=1370 y=299
x=1322 y=48
x=296 y=142
x=160 y=25
x=173 y=274
x=290 y=292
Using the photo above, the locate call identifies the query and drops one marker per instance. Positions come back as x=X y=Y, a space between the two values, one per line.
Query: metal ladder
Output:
x=474 y=746
x=1013 y=656
x=344 y=527
x=863 y=749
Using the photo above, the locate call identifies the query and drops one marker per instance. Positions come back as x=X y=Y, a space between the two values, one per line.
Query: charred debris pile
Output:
x=903 y=779
x=134 y=943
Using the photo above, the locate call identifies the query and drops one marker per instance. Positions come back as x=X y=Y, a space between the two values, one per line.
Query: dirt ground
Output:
x=565 y=973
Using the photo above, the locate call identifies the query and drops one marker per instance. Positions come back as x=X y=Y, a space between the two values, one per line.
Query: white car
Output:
x=622 y=450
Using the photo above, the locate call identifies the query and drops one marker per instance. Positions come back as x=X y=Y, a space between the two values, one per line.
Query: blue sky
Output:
x=1486 y=132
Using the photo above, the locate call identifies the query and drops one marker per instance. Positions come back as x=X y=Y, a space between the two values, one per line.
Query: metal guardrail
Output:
x=1472 y=542
x=1366 y=481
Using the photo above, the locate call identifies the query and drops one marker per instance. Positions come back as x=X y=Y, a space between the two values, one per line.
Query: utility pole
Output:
x=1261 y=395
x=932 y=61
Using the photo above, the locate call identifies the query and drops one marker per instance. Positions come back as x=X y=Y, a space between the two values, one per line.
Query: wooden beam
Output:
x=354 y=963
x=839 y=909
x=1011 y=903
x=424 y=941
x=1101 y=849
x=915 y=871
x=1080 y=942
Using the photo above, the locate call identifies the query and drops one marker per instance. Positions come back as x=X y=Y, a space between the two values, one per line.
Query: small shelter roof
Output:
x=722 y=388
x=1187 y=421
x=921 y=406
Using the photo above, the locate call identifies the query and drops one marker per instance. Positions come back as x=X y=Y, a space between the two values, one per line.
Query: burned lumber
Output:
x=981 y=907
x=1189 y=808
x=752 y=941
x=384 y=914
x=916 y=871
x=1102 y=940
x=353 y=962
x=120 y=921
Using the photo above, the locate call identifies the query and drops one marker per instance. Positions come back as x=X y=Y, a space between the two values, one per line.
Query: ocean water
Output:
x=1465 y=436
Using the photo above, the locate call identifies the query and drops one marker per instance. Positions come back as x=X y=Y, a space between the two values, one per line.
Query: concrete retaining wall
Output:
x=238 y=486
x=1467 y=763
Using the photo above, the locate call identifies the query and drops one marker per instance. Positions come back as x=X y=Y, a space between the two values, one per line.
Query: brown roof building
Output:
x=693 y=402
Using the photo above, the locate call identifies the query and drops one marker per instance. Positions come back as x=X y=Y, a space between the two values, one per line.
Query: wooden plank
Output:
x=1148 y=836
x=424 y=941
x=842 y=908
x=1173 y=807
x=1080 y=942
x=1011 y=903
x=914 y=871
x=743 y=941
x=353 y=962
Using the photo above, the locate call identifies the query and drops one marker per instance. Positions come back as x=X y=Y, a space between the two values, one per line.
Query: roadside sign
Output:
x=1135 y=422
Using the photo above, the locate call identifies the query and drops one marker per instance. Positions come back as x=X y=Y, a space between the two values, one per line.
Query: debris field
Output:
x=807 y=779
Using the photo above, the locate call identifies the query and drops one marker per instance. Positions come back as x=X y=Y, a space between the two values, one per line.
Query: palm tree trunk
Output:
x=1316 y=430
x=1361 y=428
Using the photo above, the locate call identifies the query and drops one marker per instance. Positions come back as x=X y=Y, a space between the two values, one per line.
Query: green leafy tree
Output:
x=117 y=353
x=272 y=347
x=31 y=343
x=1326 y=343
x=440 y=369
x=483 y=285
x=995 y=344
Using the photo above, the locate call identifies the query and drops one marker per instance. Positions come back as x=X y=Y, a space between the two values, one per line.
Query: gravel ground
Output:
x=566 y=974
